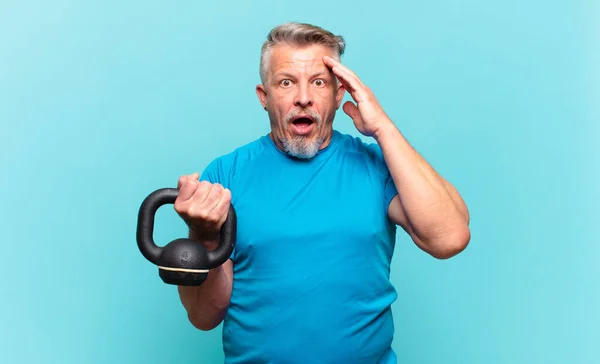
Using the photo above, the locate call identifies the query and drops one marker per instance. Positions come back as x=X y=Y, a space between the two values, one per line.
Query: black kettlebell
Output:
x=183 y=261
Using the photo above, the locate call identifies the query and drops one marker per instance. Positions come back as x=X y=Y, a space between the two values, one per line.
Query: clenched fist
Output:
x=202 y=205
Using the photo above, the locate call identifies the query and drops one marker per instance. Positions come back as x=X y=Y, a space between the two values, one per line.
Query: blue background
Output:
x=103 y=102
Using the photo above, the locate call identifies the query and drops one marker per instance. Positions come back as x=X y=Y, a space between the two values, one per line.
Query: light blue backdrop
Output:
x=103 y=102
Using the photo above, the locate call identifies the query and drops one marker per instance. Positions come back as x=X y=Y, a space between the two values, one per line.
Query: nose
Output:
x=303 y=97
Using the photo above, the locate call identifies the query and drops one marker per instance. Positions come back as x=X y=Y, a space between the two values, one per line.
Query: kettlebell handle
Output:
x=145 y=229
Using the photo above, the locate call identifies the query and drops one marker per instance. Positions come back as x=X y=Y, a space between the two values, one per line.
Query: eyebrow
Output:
x=289 y=75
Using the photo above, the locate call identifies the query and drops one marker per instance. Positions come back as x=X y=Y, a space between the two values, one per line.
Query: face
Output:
x=301 y=96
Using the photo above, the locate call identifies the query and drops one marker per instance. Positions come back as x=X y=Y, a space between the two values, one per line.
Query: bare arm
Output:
x=204 y=207
x=427 y=206
x=206 y=305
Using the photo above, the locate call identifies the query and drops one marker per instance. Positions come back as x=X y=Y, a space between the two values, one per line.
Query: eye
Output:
x=319 y=82
x=285 y=83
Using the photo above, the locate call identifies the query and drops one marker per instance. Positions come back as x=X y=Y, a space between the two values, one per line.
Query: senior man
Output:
x=308 y=281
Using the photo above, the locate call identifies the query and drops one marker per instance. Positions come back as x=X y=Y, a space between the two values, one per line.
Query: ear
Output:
x=261 y=92
x=339 y=94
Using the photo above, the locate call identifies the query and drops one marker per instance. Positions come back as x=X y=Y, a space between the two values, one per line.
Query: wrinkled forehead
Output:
x=309 y=59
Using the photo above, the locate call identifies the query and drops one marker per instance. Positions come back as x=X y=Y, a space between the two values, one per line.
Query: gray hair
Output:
x=299 y=34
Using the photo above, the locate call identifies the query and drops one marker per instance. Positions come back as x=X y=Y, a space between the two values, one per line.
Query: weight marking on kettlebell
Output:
x=184 y=258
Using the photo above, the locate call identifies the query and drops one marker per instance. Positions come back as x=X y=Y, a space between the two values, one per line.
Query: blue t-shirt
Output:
x=312 y=256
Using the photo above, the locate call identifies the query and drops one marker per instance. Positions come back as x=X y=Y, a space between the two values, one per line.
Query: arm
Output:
x=206 y=305
x=427 y=206
x=204 y=207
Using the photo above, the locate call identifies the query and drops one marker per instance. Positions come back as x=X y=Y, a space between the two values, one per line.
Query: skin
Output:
x=298 y=81
x=309 y=80
x=427 y=206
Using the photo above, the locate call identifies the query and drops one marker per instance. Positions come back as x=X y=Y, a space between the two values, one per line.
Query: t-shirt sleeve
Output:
x=214 y=173
x=388 y=185
x=211 y=173
x=390 y=189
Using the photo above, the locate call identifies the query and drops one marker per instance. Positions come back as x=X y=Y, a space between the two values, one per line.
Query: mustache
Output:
x=316 y=117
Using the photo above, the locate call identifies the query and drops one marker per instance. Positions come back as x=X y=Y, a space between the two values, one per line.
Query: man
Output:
x=317 y=211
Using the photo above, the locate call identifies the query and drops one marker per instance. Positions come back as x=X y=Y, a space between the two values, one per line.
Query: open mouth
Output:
x=302 y=125
x=303 y=121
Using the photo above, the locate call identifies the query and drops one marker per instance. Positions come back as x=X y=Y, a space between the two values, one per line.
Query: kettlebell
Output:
x=183 y=262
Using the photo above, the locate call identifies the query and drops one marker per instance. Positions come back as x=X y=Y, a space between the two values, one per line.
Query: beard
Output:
x=302 y=146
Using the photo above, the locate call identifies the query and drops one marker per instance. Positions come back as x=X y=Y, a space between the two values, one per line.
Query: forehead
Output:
x=288 y=58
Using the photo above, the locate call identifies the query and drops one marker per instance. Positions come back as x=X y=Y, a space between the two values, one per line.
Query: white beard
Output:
x=300 y=147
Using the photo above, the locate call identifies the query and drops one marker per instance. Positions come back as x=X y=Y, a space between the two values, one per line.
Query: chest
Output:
x=299 y=219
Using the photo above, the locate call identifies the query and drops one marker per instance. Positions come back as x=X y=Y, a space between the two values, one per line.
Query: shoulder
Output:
x=221 y=168
x=358 y=147
x=366 y=157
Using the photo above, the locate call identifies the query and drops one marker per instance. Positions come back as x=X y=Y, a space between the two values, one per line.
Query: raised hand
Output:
x=368 y=116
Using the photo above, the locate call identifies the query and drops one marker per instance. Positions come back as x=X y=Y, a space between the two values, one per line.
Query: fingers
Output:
x=349 y=79
x=182 y=179
x=342 y=71
x=222 y=208
x=187 y=187
x=330 y=62
x=213 y=197
x=209 y=210
x=201 y=204
x=352 y=111
x=192 y=194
